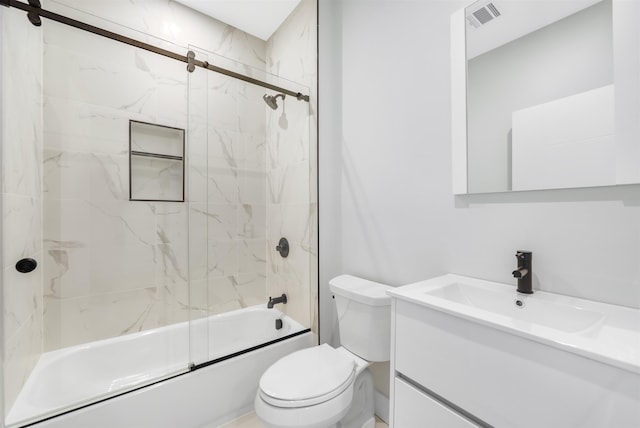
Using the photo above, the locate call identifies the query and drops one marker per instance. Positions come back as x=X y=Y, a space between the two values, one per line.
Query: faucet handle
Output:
x=520 y=273
x=523 y=271
x=283 y=247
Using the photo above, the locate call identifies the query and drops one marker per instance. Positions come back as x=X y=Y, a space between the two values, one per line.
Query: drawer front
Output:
x=414 y=409
x=509 y=381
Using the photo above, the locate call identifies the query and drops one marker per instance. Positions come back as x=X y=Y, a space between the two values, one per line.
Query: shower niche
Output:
x=156 y=162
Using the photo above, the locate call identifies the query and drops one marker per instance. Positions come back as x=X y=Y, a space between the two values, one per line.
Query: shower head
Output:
x=271 y=100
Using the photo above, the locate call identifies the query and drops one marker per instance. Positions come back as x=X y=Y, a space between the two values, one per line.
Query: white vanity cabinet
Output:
x=456 y=365
x=413 y=404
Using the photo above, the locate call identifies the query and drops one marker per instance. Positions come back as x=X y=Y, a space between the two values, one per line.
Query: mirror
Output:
x=536 y=87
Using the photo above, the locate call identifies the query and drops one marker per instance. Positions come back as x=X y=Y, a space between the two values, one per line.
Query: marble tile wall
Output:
x=104 y=254
x=108 y=255
x=21 y=136
x=228 y=261
x=292 y=167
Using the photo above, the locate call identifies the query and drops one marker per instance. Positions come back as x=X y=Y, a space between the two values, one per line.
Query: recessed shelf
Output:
x=156 y=155
x=156 y=162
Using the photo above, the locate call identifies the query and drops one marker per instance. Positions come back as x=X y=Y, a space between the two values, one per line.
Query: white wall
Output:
x=386 y=211
x=329 y=160
x=2 y=346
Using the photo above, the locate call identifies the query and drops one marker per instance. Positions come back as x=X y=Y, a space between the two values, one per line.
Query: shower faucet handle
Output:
x=283 y=247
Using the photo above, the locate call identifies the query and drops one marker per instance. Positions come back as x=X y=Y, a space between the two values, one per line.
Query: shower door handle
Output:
x=26 y=265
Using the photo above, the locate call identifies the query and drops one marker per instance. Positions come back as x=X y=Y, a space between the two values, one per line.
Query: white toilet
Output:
x=323 y=387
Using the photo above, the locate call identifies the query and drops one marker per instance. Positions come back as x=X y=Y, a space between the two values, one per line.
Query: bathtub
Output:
x=150 y=375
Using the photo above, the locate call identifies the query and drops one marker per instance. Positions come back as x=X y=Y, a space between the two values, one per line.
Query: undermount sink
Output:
x=600 y=331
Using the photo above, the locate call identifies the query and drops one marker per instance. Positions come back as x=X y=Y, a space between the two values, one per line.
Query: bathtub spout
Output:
x=276 y=300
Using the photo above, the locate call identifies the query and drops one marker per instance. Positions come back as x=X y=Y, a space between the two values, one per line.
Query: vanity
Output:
x=474 y=353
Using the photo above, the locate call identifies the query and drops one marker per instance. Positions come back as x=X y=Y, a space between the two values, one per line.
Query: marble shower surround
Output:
x=226 y=191
x=104 y=255
x=237 y=184
x=292 y=209
x=107 y=255
x=90 y=231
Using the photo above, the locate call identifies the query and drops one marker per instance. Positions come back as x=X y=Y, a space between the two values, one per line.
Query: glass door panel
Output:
x=256 y=184
x=114 y=271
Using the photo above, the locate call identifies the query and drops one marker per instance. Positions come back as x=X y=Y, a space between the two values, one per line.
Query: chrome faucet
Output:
x=276 y=300
x=523 y=273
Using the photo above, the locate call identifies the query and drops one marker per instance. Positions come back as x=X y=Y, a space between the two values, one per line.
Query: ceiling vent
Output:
x=480 y=15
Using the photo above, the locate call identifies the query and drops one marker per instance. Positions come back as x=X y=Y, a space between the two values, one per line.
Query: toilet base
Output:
x=358 y=414
x=361 y=411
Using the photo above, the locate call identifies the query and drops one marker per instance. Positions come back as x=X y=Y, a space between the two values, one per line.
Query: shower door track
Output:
x=35 y=11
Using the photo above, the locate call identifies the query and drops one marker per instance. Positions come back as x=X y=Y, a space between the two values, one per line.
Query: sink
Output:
x=600 y=331
x=501 y=299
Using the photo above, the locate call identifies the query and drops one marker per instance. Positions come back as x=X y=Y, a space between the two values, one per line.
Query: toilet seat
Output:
x=307 y=377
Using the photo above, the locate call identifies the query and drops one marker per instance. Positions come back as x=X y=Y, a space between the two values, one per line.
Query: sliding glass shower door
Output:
x=249 y=187
x=113 y=269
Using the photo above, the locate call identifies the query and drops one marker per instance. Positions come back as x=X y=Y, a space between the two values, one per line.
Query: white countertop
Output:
x=599 y=331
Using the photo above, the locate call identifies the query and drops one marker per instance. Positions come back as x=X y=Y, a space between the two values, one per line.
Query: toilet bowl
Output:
x=311 y=388
x=324 y=387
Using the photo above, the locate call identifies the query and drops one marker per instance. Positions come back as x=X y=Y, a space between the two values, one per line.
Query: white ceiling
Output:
x=260 y=18
x=519 y=17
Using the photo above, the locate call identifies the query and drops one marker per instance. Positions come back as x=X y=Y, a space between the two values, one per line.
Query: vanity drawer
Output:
x=413 y=408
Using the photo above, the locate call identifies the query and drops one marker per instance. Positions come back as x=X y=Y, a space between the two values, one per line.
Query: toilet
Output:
x=325 y=387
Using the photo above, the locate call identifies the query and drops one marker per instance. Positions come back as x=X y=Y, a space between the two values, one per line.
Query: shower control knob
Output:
x=283 y=247
x=26 y=265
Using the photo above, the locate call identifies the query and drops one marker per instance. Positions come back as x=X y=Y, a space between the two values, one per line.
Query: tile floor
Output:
x=250 y=420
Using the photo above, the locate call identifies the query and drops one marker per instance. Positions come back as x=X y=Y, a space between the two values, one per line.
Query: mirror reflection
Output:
x=540 y=95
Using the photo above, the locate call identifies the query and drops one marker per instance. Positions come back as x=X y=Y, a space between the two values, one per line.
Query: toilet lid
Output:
x=307 y=377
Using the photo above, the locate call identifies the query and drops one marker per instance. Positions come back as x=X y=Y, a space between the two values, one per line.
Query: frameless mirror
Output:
x=536 y=89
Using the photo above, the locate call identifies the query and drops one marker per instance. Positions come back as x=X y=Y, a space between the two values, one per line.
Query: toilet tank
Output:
x=364 y=316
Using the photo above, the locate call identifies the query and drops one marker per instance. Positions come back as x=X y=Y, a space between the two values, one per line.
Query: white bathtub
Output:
x=74 y=377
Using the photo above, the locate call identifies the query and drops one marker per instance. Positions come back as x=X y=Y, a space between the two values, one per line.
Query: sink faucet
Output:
x=276 y=300
x=523 y=272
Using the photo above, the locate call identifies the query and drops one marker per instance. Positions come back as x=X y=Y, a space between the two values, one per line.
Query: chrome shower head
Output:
x=271 y=100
